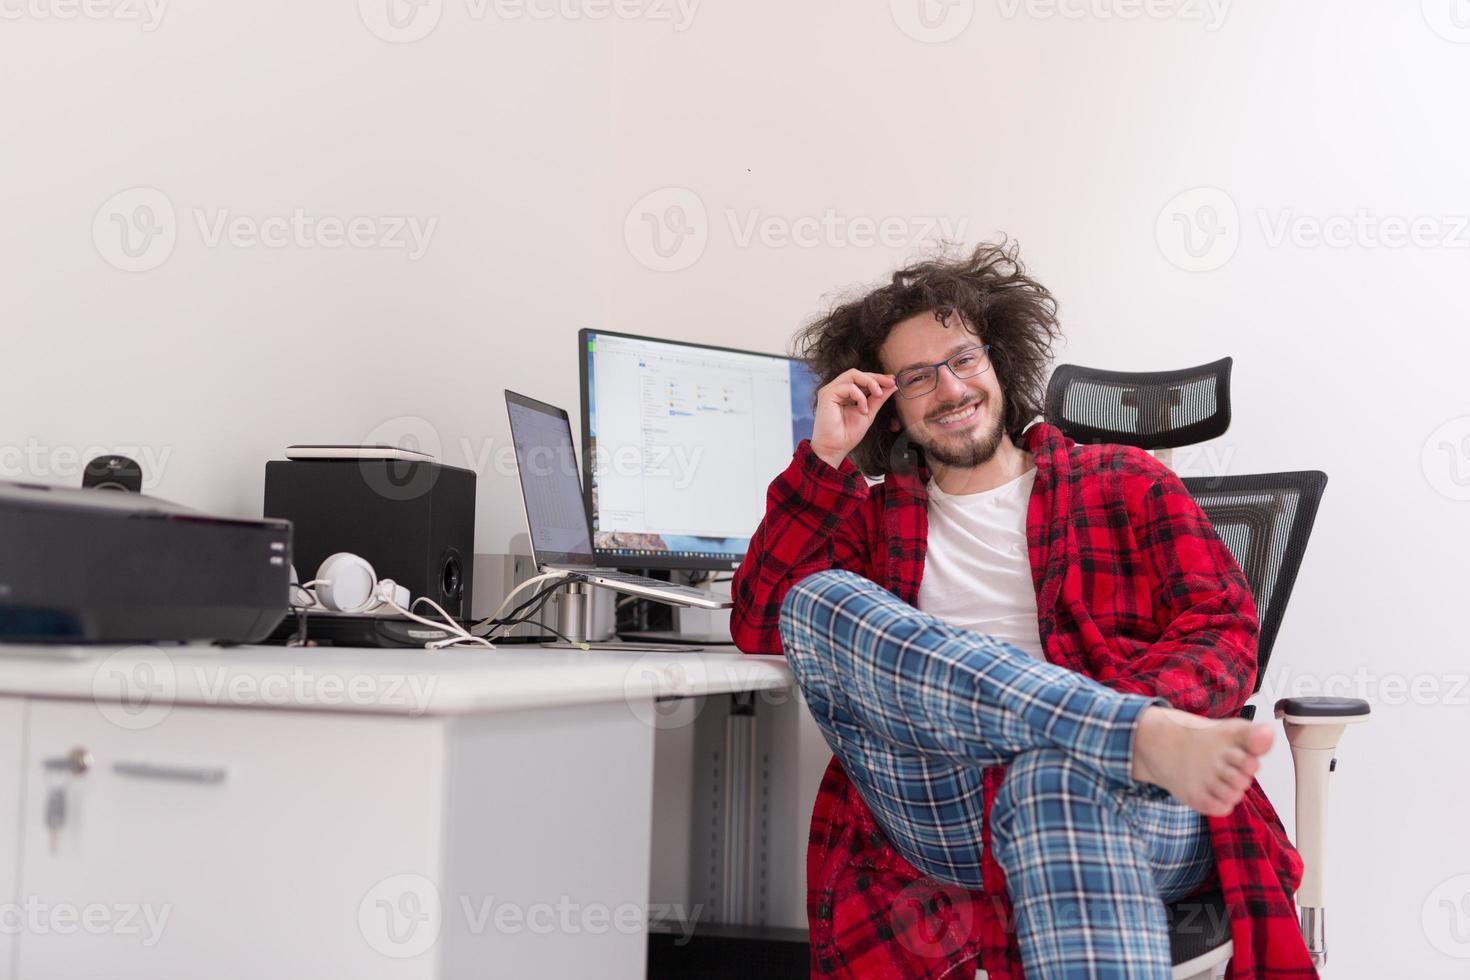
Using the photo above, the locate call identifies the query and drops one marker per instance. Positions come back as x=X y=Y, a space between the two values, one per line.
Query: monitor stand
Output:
x=674 y=636
x=622 y=646
x=575 y=613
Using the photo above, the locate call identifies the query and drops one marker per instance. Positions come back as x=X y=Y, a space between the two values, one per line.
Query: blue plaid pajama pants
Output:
x=915 y=709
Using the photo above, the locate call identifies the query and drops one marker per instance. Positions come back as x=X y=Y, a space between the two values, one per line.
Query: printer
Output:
x=98 y=566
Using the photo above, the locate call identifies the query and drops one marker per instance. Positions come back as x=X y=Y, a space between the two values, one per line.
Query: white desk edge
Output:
x=402 y=681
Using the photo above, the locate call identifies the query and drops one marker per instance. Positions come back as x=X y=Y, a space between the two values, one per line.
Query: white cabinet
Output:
x=12 y=747
x=497 y=826
x=244 y=840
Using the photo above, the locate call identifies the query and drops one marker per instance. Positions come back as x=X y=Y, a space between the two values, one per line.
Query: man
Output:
x=1027 y=656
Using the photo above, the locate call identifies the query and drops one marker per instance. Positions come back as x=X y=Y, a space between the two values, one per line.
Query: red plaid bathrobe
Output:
x=1133 y=588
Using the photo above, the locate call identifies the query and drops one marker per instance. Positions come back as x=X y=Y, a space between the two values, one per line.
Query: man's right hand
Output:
x=846 y=407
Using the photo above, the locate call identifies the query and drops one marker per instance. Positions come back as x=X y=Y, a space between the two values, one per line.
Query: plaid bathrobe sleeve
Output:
x=817 y=518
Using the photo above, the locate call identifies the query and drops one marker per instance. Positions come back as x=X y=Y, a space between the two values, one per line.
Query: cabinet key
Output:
x=75 y=763
x=55 y=814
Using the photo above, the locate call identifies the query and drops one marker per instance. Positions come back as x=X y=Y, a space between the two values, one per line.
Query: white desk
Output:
x=272 y=812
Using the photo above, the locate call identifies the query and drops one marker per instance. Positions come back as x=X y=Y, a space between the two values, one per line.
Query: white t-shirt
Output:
x=977 y=567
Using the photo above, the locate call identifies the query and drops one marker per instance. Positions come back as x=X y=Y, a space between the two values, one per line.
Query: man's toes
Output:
x=1232 y=783
x=1239 y=782
x=1224 y=799
x=1258 y=739
x=1217 y=806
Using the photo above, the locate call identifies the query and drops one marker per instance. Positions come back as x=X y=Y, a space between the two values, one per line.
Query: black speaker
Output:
x=414 y=522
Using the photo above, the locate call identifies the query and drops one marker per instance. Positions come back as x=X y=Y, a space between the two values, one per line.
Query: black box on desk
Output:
x=99 y=566
x=414 y=522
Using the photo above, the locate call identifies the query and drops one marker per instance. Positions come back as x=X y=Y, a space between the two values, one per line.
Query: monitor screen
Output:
x=680 y=442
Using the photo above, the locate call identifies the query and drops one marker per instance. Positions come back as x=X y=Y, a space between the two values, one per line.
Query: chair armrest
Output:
x=1317 y=711
x=1313 y=728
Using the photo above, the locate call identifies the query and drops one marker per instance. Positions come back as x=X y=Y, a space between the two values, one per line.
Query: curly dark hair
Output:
x=998 y=302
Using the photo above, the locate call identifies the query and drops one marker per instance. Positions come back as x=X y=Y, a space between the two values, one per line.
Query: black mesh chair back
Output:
x=1147 y=409
x=1265 y=520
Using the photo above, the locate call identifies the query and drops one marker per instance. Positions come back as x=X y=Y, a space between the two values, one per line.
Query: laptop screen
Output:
x=551 y=484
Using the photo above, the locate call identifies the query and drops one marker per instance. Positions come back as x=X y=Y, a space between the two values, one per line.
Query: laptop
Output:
x=551 y=489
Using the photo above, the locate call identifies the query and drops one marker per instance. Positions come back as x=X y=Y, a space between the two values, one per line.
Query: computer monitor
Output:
x=680 y=442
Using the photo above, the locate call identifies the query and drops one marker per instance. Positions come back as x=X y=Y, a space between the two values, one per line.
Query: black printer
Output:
x=103 y=567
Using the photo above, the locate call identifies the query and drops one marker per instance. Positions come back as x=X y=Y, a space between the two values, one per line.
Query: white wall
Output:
x=534 y=143
x=1073 y=134
x=495 y=128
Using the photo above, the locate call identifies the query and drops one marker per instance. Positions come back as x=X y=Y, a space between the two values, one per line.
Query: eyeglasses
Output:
x=968 y=363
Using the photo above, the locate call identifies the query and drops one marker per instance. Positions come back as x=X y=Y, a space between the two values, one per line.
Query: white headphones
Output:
x=347 y=583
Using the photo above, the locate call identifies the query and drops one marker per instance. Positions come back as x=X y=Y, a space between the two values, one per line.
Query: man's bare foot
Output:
x=1206 y=764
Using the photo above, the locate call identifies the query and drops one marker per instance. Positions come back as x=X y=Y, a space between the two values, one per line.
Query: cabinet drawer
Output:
x=246 y=839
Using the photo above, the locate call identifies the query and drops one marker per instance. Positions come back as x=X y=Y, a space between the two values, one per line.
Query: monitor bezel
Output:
x=609 y=559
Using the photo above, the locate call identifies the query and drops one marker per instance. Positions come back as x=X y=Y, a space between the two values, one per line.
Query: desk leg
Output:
x=742 y=842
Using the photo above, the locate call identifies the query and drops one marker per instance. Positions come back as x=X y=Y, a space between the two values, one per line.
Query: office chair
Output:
x=1264 y=520
x=1154 y=410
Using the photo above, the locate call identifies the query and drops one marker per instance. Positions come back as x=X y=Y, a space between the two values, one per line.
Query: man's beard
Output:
x=973 y=451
